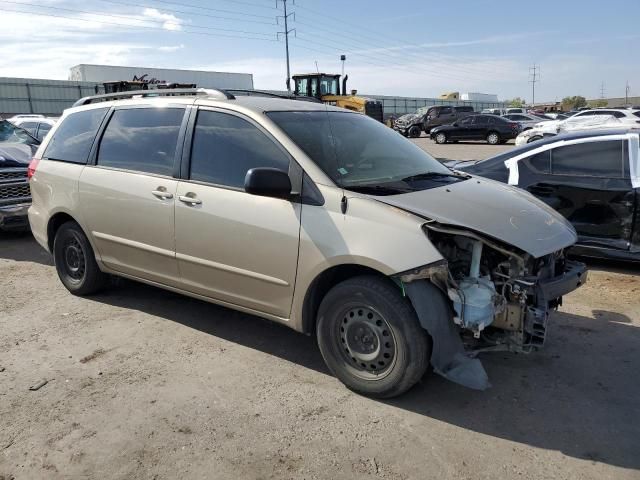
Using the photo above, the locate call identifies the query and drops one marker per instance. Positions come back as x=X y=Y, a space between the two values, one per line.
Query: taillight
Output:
x=32 y=167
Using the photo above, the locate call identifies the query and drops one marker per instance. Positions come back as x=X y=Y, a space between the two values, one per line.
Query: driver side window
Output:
x=226 y=147
x=466 y=121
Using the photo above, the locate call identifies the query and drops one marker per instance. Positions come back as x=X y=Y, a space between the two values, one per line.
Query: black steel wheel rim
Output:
x=73 y=258
x=366 y=342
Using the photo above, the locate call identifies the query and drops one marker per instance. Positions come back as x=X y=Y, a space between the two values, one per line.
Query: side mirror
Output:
x=268 y=182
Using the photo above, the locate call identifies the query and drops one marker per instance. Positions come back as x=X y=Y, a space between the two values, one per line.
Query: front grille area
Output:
x=13 y=174
x=14 y=192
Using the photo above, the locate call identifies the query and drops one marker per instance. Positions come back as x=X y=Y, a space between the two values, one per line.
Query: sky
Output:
x=405 y=48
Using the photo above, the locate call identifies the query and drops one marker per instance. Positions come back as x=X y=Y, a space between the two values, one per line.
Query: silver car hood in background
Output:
x=505 y=213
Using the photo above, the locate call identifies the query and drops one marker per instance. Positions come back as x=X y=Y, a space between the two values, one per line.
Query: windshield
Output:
x=361 y=154
x=13 y=134
x=329 y=86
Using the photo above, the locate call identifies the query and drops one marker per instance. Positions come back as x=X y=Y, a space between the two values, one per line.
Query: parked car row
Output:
x=424 y=119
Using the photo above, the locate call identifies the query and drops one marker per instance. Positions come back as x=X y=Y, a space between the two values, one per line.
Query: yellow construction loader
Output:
x=326 y=87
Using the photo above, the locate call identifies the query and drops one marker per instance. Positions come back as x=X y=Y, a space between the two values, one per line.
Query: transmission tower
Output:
x=286 y=35
x=602 y=90
x=534 y=76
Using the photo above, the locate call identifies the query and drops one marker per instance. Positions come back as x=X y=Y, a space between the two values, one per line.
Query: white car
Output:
x=37 y=126
x=625 y=115
x=554 y=127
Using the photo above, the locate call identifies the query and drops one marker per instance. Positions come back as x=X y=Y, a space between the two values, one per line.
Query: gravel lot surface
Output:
x=143 y=383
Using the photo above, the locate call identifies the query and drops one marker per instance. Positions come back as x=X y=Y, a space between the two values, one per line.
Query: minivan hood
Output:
x=505 y=213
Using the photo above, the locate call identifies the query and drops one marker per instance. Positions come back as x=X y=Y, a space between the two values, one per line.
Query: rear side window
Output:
x=592 y=159
x=141 y=139
x=637 y=114
x=541 y=161
x=73 y=139
x=226 y=147
x=43 y=130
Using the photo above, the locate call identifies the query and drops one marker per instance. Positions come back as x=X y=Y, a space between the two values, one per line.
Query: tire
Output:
x=75 y=261
x=370 y=337
x=493 y=138
x=441 y=138
x=534 y=139
x=414 y=132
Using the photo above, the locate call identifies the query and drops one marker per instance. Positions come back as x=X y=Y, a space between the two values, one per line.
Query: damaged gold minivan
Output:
x=312 y=216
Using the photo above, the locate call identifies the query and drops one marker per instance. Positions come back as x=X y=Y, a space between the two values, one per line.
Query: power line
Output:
x=144 y=20
x=391 y=52
x=191 y=5
x=200 y=14
x=534 y=75
x=78 y=19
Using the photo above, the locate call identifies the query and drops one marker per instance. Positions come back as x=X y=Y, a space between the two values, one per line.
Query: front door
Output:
x=235 y=247
x=588 y=183
x=127 y=198
x=463 y=130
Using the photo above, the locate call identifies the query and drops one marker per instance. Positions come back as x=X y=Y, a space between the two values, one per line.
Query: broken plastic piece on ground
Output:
x=39 y=385
x=447 y=356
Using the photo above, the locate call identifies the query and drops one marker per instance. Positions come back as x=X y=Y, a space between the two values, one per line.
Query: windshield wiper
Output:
x=427 y=175
x=377 y=189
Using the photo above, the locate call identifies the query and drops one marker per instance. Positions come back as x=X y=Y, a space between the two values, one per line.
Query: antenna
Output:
x=286 y=36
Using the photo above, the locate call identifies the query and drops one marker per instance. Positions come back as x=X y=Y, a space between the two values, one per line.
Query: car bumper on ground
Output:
x=14 y=217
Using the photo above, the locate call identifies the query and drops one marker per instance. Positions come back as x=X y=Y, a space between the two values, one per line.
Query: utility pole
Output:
x=626 y=94
x=602 y=90
x=286 y=36
x=534 y=75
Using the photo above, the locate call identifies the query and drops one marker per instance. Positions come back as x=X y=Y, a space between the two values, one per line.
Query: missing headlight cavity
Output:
x=496 y=300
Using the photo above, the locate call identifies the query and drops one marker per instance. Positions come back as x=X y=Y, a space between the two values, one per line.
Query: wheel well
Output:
x=54 y=224
x=322 y=284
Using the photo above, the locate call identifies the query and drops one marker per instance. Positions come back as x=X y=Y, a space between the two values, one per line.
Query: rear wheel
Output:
x=493 y=138
x=441 y=138
x=370 y=337
x=414 y=132
x=75 y=261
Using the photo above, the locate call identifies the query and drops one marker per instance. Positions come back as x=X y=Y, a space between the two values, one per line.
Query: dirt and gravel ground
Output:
x=143 y=383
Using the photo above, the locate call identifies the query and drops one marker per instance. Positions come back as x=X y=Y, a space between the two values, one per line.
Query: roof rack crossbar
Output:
x=175 y=92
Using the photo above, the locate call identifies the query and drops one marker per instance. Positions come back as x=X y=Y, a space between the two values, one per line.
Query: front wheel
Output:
x=370 y=337
x=441 y=138
x=414 y=132
x=493 y=138
x=75 y=261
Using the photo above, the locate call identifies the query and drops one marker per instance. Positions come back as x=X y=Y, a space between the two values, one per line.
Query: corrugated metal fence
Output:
x=48 y=97
x=401 y=105
x=51 y=97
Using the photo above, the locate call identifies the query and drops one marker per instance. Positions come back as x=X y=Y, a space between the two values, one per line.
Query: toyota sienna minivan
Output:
x=316 y=217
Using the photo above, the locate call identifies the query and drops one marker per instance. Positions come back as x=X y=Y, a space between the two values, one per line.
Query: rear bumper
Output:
x=14 y=217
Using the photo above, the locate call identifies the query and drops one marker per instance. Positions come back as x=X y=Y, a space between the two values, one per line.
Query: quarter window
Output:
x=73 y=139
x=141 y=139
x=226 y=147
x=592 y=159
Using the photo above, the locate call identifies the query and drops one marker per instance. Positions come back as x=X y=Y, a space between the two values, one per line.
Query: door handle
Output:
x=162 y=194
x=189 y=200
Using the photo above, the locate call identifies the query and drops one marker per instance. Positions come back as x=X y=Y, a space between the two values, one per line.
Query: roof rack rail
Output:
x=170 y=92
x=264 y=93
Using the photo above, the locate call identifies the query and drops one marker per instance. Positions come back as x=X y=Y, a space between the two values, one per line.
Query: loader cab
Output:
x=317 y=85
